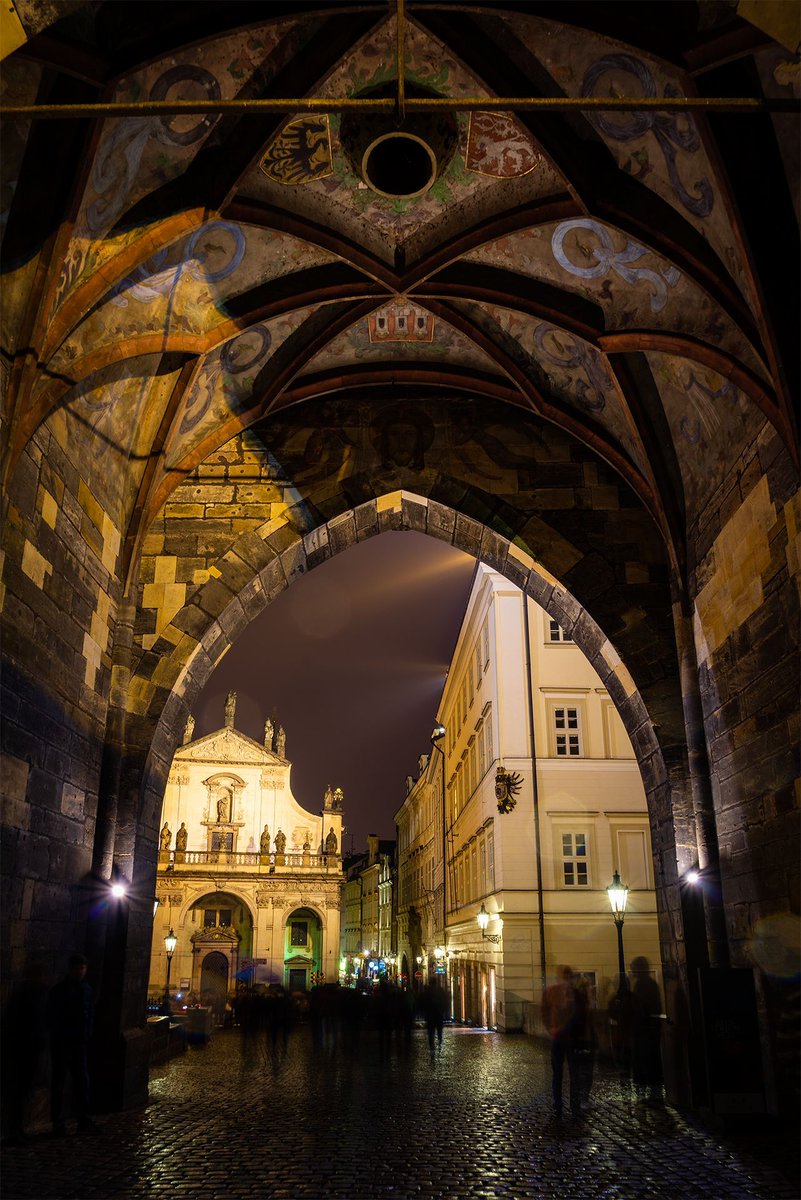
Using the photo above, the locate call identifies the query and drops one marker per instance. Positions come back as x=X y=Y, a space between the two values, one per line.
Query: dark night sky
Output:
x=351 y=660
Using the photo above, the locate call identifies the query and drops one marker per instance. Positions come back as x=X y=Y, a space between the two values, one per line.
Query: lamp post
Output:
x=483 y=920
x=170 y=942
x=618 y=894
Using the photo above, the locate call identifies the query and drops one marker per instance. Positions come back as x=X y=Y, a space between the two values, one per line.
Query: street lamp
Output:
x=483 y=922
x=170 y=942
x=618 y=894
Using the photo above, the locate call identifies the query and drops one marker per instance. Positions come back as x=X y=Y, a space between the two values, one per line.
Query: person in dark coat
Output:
x=432 y=1005
x=559 y=1017
x=646 y=1032
x=25 y=1041
x=70 y=1006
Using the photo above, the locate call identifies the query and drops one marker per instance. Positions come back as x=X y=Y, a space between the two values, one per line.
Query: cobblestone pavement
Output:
x=235 y=1120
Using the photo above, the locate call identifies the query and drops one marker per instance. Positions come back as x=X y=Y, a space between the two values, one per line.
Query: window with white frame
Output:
x=482 y=754
x=474 y=766
x=470 y=679
x=575 y=860
x=483 y=876
x=490 y=861
x=485 y=636
x=478 y=663
x=566 y=723
x=488 y=737
x=556 y=633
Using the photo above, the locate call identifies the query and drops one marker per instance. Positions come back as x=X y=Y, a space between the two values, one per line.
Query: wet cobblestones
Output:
x=237 y=1120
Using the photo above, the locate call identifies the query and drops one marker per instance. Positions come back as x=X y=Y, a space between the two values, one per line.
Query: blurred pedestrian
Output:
x=646 y=1032
x=584 y=1042
x=559 y=1003
x=432 y=1007
x=24 y=1040
x=70 y=1014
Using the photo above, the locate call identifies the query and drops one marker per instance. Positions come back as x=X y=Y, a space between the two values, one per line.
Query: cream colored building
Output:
x=520 y=692
x=367 y=905
x=420 y=926
x=248 y=879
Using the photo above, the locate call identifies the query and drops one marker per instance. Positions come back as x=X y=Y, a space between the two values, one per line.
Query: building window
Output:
x=298 y=933
x=222 y=841
x=490 y=862
x=488 y=736
x=473 y=766
x=482 y=754
x=478 y=663
x=567 y=731
x=557 y=634
x=217 y=918
x=575 y=872
x=485 y=635
x=470 y=679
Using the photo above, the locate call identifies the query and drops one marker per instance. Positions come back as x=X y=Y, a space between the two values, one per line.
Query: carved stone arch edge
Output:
x=198 y=892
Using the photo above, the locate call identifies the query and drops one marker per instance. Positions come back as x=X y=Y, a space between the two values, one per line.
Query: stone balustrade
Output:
x=188 y=860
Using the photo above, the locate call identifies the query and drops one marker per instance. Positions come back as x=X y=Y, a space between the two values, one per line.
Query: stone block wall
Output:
x=59 y=596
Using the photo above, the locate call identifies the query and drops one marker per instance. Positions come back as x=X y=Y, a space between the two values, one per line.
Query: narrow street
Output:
x=238 y=1119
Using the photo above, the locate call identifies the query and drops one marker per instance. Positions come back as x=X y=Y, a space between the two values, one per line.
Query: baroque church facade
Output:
x=248 y=880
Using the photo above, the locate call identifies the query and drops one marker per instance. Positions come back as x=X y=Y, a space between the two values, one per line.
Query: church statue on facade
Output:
x=230 y=710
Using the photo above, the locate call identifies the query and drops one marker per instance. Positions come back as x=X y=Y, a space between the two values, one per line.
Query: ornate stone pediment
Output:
x=226 y=746
x=205 y=936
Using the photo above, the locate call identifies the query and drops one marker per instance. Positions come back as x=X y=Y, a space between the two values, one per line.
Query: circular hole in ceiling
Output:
x=400 y=165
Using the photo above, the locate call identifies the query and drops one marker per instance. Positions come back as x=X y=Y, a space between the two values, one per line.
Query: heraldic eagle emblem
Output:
x=507 y=785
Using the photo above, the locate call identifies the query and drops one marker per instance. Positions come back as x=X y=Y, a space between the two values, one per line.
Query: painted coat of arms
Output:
x=507 y=785
x=498 y=145
x=300 y=152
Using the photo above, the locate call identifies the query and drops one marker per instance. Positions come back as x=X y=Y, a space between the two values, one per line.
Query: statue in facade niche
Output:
x=280 y=742
x=268 y=734
x=230 y=710
x=223 y=806
x=165 y=837
x=331 y=842
x=189 y=729
x=181 y=837
x=264 y=844
x=280 y=842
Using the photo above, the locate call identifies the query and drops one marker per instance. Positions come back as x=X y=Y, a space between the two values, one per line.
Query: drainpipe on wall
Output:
x=535 y=794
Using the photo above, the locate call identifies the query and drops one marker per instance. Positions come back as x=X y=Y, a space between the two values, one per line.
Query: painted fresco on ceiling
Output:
x=711 y=422
x=664 y=151
x=183 y=287
x=300 y=152
x=136 y=155
x=224 y=384
x=400 y=323
x=636 y=288
x=499 y=146
x=107 y=425
x=358 y=344
x=780 y=76
x=561 y=364
x=379 y=221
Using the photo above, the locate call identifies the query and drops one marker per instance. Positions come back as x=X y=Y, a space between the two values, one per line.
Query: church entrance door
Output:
x=214 y=983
